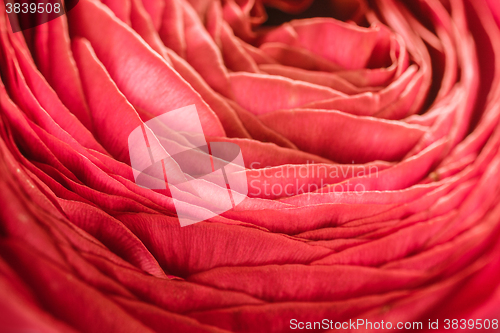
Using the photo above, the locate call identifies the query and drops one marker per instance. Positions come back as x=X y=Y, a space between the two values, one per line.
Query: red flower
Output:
x=371 y=147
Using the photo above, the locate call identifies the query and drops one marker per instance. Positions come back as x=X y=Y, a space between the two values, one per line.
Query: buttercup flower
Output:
x=368 y=138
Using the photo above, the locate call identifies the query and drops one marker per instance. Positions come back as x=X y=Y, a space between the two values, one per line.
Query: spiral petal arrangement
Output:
x=370 y=138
